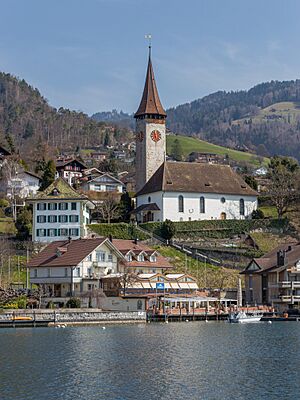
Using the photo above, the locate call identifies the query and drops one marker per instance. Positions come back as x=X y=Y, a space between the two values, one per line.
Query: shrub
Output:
x=118 y=230
x=168 y=229
x=258 y=214
x=74 y=302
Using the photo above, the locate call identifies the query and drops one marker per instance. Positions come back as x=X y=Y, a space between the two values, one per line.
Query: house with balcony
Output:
x=68 y=268
x=86 y=268
x=103 y=182
x=69 y=169
x=274 y=279
x=59 y=213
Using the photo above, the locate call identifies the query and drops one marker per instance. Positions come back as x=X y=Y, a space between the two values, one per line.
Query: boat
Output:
x=242 y=317
x=21 y=318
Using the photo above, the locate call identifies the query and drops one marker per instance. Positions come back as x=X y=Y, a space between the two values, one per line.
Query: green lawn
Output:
x=7 y=225
x=287 y=111
x=190 y=144
x=269 y=211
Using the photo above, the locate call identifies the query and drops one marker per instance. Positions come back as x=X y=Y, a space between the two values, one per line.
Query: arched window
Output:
x=202 y=205
x=242 y=207
x=180 y=204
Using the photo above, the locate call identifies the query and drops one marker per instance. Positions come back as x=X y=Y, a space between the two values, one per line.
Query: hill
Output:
x=227 y=118
x=190 y=144
x=265 y=118
x=28 y=123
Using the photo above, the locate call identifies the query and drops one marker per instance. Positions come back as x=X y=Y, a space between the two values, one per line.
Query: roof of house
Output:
x=59 y=190
x=124 y=246
x=63 y=162
x=150 y=102
x=67 y=253
x=196 y=178
x=146 y=207
x=269 y=260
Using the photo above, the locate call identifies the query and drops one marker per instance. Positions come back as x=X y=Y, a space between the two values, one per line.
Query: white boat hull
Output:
x=243 y=318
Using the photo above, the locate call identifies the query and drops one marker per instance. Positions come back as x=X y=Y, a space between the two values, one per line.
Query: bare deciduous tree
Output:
x=109 y=208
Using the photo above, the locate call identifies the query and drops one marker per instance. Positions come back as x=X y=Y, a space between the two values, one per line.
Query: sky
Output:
x=91 y=55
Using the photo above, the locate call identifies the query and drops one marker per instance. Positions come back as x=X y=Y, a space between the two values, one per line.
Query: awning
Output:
x=193 y=285
x=174 y=285
x=183 y=285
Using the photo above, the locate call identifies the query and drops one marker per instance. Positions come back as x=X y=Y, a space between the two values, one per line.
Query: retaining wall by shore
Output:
x=72 y=316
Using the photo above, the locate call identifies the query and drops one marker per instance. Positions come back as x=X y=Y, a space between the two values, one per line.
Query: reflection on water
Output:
x=194 y=360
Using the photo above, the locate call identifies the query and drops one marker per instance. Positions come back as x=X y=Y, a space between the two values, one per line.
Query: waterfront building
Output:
x=59 y=212
x=274 y=279
x=176 y=190
x=69 y=268
x=140 y=258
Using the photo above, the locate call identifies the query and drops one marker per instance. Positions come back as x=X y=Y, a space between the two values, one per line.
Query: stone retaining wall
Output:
x=75 y=315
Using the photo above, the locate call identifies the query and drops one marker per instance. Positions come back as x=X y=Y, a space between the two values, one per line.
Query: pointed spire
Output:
x=150 y=103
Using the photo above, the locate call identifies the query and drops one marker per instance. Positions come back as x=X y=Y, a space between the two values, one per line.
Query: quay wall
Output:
x=76 y=316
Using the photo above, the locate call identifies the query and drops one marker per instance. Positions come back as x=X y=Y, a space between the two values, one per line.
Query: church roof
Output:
x=196 y=178
x=150 y=103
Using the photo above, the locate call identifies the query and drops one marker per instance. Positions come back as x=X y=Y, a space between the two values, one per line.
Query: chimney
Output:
x=281 y=258
x=136 y=240
x=110 y=238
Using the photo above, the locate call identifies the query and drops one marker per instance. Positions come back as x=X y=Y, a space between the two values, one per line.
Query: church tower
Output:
x=150 y=131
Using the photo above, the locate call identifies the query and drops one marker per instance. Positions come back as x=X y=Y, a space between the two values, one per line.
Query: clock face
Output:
x=140 y=136
x=155 y=135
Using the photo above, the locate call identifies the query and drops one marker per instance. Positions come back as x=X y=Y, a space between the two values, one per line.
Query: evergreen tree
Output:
x=168 y=229
x=23 y=224
x=48 y=176
x=125 y=206
x=177 y=151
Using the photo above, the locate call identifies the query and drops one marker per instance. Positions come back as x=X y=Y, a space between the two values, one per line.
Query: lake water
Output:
x=194 y=360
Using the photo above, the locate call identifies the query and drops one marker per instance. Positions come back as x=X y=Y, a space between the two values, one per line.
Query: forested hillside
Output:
x=28 y=121
x=264 y=119
x=213 y=119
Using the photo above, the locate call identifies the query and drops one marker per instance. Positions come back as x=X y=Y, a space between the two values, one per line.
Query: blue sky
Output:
x=91 y=55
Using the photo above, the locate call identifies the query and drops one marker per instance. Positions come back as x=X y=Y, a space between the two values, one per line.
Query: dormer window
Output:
x=55 y=192
x=140 y=257
x=152 y=258
x=129 y=257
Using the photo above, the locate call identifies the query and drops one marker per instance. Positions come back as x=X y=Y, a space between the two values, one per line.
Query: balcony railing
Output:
x=285 y=285
x=287 y=299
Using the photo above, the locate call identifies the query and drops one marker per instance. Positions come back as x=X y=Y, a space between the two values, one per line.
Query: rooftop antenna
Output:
x=148 y=36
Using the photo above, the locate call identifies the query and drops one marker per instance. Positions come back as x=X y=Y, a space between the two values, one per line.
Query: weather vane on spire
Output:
x=149 y=37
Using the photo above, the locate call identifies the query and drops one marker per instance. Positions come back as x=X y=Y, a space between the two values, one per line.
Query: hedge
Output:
x=219 y=228
x=118 y=231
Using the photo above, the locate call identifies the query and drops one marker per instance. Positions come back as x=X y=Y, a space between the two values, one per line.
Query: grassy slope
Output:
x=287 y=111
x=190 y=144
x=211 y=276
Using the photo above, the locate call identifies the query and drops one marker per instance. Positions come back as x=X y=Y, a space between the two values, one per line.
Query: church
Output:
x=180 y=191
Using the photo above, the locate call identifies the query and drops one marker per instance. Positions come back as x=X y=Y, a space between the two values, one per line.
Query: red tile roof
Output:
x=77 y=250
x=124 y=246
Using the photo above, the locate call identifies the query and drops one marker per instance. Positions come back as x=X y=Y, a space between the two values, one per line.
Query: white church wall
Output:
x=213 y=206
x=152 y=198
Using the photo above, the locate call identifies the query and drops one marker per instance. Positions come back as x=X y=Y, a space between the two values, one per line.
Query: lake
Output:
x=187 y=360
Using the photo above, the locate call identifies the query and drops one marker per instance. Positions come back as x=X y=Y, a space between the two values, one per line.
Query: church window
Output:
x=180 y=204
x=202 y=205
x=149 y=199
x=242 y=207
x=223 y=200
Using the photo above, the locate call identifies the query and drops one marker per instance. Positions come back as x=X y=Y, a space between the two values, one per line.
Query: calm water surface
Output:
x=194 y=360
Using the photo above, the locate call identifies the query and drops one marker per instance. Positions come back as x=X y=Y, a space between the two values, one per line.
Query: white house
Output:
x=175 y=190
x=103 y=183
x=69 y=268
x=23 y=184
x=59 y=212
